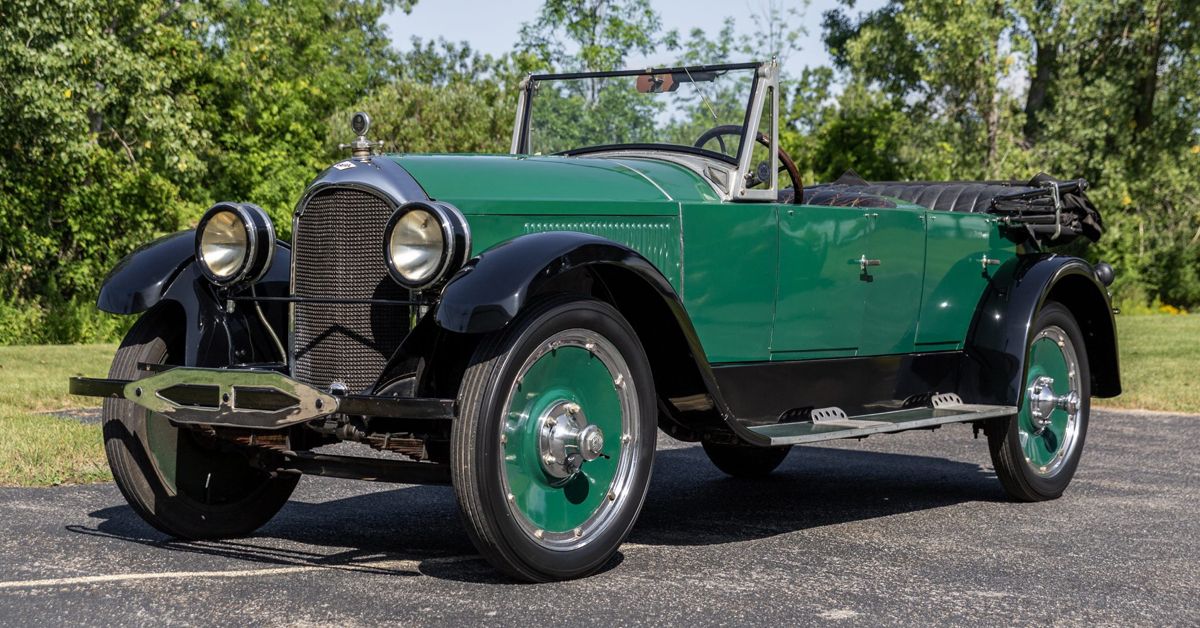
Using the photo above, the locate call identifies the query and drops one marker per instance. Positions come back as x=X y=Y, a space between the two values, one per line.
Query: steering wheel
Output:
x=785 y=159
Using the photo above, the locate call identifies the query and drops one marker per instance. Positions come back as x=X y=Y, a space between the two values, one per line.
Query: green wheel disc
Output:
x=582 y=371
x=1053 y=366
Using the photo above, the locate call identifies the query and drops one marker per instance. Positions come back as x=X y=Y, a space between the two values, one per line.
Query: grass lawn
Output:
x=1160 y=366
x=41 y=450
x=1160 y=363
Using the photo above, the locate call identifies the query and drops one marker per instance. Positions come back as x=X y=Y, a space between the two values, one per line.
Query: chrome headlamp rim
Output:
x=456 y=239
x=260 y=243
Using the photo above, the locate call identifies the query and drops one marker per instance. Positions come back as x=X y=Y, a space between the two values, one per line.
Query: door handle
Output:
x=863 y=263
x=988 y=261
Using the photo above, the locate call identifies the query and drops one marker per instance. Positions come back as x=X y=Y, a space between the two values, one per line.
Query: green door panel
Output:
x=955 y=276
x=897 y=241
x=730 y=258
x=821 y=298
x=656 y=238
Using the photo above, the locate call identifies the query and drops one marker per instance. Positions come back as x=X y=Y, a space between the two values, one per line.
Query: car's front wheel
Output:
x=1036 y=452
x=552 y=449
x=179 y=481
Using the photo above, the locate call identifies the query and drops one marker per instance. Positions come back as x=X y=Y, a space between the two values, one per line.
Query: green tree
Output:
x=124 y=119
x=591 y=35
x=1007 y=88
x=442 y=97
x=275 y=72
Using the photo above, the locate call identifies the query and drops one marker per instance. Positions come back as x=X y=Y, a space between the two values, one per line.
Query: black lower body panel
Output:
x=762 y=392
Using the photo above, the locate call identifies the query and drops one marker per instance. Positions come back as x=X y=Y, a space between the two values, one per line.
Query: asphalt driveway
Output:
x=910 y=528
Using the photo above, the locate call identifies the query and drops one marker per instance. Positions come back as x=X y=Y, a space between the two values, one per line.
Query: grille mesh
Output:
x=338 y=253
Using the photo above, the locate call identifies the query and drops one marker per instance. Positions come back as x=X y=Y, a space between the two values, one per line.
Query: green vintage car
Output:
x=521 y=325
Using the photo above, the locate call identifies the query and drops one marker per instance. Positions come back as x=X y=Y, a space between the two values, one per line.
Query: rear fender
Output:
x=994 y=363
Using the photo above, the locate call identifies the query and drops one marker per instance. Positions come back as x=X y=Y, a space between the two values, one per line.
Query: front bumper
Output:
x=250 y=398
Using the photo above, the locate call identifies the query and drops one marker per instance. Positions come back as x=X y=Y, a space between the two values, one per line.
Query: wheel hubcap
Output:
x=566 y=440
x=1043 y=402
x=1048 y=423
x=569 y=439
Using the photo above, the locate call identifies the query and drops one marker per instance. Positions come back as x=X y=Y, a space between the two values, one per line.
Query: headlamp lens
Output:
x=416 y=246
x=223 y=244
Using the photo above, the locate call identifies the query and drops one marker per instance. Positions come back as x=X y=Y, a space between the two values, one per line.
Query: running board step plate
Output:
x=830 y=423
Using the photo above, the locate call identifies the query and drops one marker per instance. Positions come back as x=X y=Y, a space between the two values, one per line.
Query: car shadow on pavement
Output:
x=415 y=529
x=692 y=503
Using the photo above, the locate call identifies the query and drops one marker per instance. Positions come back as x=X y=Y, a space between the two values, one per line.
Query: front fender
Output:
x=994 y=366
x=489 y=291
x=140 y=279
x=164 y=274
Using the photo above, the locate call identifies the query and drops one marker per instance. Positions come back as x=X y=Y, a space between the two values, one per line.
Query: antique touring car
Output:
x=519 y=325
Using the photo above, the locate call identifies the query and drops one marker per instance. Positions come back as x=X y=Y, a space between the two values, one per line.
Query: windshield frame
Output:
x=765 y=82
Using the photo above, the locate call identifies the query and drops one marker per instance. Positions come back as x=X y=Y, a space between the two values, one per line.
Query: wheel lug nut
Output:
x=539 y=534
x=578 y=532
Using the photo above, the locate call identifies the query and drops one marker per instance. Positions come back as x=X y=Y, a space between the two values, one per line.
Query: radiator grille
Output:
x=338 y=253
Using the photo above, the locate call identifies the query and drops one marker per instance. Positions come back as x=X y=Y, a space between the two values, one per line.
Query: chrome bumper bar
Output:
x=256 y=399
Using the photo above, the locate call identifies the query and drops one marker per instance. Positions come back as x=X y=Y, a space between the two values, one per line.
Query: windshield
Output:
x=679 y=107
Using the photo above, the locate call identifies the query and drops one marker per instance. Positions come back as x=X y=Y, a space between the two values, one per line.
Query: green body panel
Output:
x=655 y=237
x=566 y=374
x=821 y=297
x=555 y=186
x=731 y=257
x=893 y=287
x=760 y=281
x=955 y=276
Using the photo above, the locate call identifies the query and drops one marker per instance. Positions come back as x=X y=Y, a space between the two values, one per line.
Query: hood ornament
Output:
x=360 y=123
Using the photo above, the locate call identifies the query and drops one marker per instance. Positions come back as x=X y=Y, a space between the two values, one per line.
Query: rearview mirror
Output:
x=657 y=83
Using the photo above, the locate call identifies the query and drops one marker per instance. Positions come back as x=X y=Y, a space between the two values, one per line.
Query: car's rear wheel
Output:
x=745 y=461
x=1036 y=452
x=181 y=482
x=552 y=450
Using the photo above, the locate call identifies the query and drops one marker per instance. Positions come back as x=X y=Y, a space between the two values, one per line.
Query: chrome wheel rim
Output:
x=1048 y=422
x=563 y=451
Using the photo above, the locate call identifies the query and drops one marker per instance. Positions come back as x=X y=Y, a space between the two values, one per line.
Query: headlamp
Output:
x=425 y=242
x=234 y=243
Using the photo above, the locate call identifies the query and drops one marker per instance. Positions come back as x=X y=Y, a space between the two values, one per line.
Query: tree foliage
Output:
x=1008 y=88
x=122 y=120
x=442 y=98
x=591 y=35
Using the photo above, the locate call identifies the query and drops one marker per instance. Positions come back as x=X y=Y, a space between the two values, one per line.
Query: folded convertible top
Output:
x=1044 y=209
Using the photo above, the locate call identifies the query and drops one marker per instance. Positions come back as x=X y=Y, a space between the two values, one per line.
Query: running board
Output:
x=832 y=423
